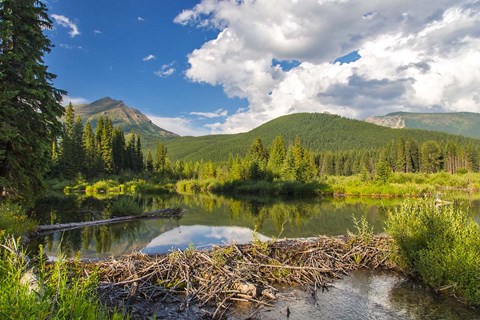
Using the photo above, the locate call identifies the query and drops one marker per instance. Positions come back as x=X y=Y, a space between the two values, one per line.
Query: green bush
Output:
x=13 y=219
x=441 y=245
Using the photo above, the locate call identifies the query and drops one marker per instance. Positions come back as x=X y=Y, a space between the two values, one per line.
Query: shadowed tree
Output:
x=30 y=105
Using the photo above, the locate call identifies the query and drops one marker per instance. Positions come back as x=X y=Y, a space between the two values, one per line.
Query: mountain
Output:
x=121 y=115
x=317 y=131
x=461 y=123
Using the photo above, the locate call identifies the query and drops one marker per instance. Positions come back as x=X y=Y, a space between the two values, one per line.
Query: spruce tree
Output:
x=278 y=152
x=30 y=105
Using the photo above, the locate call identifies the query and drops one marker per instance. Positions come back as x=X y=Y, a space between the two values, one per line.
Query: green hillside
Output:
x=318 y=132
x=461 y=123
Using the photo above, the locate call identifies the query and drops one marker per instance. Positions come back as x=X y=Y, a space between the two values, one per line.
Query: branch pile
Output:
x=223 y=275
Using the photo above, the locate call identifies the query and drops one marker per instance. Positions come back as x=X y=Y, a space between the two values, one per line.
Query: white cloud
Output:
x=65 y=22
x=166 y=70
x=140 y=19
x=66 y=46
x=149 y=57
x=216 y=114
x=178 y=125
x=415 y=56
x=97 y=32
x=74 y=100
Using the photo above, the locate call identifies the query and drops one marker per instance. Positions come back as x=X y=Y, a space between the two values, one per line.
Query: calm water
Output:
x=207 y=220
x=210 y=220
x=364 y=295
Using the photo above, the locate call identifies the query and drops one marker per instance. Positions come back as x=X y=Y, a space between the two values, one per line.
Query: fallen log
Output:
x=163 y=213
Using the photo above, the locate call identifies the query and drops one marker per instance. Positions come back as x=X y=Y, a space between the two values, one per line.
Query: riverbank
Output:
x=398 y=185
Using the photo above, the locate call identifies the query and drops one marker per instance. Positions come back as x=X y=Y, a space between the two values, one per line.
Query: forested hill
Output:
x=462 y=123
x=318 y=132
x=121 y=115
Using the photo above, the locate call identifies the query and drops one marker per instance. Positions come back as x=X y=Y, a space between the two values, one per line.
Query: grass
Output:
x=440 y=245
x=14 y=220
x=270 y=188
x=55 y=291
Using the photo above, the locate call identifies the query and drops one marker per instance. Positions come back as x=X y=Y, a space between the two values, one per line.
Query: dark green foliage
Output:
x=30 y=105
x=161 y=162
x=318 y=132
x=91 y=154
x=431 y=157
x=441 y=245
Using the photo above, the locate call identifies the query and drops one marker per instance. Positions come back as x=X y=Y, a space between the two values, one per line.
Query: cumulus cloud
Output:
x=149 y=57
x=74 y=100
x=178 y=125
x=216 y=114
x=166 y=70
x=415 y=56
x=66 y=23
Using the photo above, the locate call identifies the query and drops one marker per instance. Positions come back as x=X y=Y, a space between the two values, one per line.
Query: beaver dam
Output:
x=213 y=280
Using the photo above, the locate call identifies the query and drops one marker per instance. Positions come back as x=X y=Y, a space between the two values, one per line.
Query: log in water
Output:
x=163 y=213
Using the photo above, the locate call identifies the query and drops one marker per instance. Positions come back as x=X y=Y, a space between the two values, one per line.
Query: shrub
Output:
x=441 y=245
x=13 y=219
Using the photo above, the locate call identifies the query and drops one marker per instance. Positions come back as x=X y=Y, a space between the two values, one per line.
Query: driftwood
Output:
x=224 y=275
x=164 y=213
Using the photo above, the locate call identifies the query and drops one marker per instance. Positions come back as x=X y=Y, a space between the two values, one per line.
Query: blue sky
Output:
x=210 y=66
x=110 y=56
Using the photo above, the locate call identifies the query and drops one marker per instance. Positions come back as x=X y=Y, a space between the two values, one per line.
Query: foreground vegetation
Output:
x=440 y=245
x=46 y=291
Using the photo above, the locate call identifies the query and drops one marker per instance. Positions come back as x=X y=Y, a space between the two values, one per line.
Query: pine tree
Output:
x=118 y=150
x=149 y=162
x=278 y=152
x=161 y=159
x=106 y=146
x=89 y=150
x=77 y=146
x=139 y=155
x=29 y=104
x=430 y=157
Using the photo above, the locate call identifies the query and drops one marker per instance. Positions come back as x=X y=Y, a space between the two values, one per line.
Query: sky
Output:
x=227 y=66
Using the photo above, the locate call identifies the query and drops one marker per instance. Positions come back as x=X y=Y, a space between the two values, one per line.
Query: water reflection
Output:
x=268 y=216
x=365 y=295
x=201 y=237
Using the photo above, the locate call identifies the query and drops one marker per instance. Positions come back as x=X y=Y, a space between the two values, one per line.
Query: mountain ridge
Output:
x=125 y=117
x=460 y=123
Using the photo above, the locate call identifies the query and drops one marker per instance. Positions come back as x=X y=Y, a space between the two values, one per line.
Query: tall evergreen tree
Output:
x=89 y=150
x=278 y=152
x=77 y=146
x=118 y=150
x=430 y=157
x=30 y=105
x=106 y=146
x=161 y=159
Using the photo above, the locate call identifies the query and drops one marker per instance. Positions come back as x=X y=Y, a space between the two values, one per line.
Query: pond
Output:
x=211 y=220
x=207 y=220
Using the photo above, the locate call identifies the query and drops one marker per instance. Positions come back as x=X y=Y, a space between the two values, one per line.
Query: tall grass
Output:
x=14 y=220
x=48 y=291
x=441 y=245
